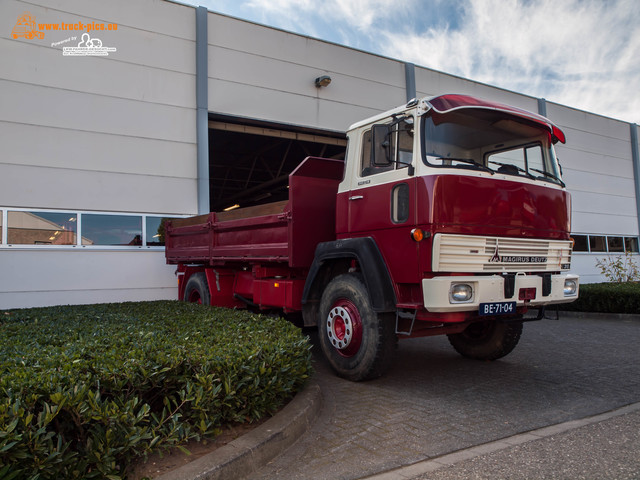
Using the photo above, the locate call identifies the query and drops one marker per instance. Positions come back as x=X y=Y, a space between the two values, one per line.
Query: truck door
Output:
x=382 y=201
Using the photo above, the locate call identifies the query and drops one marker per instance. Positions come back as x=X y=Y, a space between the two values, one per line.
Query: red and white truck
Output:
x=448 y=216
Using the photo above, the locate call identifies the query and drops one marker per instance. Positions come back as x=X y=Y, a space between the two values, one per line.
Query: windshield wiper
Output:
x=550 y=175
x=470 y=161
x=508 y=166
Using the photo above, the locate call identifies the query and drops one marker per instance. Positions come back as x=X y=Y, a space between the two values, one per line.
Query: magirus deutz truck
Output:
x=448 y=216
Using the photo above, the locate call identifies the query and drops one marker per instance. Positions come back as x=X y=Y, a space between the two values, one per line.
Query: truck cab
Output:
x=465 y=201
x=460 y=222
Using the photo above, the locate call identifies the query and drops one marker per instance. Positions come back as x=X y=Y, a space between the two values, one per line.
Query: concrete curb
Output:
x=255 y=449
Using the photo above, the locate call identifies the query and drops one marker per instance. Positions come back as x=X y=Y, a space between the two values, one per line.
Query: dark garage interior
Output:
x=249 y=162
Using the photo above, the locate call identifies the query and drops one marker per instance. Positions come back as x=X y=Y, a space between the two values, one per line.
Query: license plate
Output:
x=497 y=308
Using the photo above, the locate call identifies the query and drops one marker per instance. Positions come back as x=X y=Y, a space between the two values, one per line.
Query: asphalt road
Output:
x=434 y=402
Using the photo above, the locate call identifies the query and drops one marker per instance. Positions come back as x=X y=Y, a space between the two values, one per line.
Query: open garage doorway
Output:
x=250 y=161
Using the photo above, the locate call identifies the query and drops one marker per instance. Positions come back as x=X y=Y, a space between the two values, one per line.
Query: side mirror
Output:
x=380 y=146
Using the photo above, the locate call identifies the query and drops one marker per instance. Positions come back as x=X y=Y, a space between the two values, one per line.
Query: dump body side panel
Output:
x=212 y=241
x=283 y=232
x=312 y=191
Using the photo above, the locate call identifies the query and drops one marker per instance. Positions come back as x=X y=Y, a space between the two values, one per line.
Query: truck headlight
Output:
x=570 y=287
x=460 y=293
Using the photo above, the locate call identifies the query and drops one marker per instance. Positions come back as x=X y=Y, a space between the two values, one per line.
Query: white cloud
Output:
x=349 y=22
x=581 y=53
x=358 y=14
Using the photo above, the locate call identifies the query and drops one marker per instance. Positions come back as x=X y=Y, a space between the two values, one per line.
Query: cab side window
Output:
x=401 y=150
x=366 y=168
x=404 y=148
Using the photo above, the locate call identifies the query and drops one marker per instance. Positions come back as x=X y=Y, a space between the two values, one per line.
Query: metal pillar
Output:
x=202 y=108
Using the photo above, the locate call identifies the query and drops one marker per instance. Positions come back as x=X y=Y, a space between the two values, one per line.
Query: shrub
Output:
x=85 y=389
x=619 y=268
x=606 y=298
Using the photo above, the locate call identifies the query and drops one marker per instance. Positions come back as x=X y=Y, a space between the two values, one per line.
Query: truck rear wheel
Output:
x=487 y=340
x=197 y=289
x=358 y=342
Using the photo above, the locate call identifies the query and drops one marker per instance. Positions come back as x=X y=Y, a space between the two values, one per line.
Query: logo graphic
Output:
x=26 y=27
x=497 y=258
x=88 y=47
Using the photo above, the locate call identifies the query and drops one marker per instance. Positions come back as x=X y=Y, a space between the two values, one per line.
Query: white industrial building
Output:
x=169 y=110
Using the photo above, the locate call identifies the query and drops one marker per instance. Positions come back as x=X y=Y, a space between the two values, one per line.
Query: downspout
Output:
x=410 y=80
x=202 y=109
x=542 y=107
x=635 y=156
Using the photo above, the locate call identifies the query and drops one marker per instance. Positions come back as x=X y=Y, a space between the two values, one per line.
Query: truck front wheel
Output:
x=358 y=342
x=487 y=340
x=197 y=289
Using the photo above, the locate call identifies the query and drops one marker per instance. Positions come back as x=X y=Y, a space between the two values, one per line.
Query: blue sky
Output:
x=580 y=53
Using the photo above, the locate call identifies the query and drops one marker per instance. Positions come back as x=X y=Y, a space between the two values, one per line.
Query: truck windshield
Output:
x=490 y=141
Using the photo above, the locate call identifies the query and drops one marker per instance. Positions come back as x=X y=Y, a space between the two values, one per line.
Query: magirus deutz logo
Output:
x=497 y=258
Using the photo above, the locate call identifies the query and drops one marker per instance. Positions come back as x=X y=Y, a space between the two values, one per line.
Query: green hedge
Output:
x=606 y=298
x=86 y=389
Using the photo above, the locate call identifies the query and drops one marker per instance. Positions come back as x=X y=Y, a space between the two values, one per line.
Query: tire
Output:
x=197 y=289
x=359 y=343
x=487 y=340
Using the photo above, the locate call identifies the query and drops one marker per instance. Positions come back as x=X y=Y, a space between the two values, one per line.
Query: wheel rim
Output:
x=194 y=297
x=344 y=328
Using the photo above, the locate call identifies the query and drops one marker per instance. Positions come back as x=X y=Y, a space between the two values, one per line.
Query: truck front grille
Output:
x=476 y=254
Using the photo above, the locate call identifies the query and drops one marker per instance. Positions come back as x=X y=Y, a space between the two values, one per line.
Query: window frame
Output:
x=525 y=160
x=366 y=168
x=549 y=159
x=4 y=227
x=635 y=240
x=101 y=231
x=39 y=216
x=630 y=244
x=586 y=239
x=396 y=202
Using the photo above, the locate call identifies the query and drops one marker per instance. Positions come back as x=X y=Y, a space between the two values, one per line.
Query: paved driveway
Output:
x=434 y=401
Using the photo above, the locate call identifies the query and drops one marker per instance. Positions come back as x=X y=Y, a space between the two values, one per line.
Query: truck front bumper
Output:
x=448 y=293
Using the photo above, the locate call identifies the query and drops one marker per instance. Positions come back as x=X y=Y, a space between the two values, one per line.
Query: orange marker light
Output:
x=417 y=234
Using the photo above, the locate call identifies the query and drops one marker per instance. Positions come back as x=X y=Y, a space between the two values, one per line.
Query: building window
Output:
x=41 y=228
x=605 y=243
x=631 y=244
x=616 y=244
x=48 y=228
x=155 y=231
x=581 y=243
x=115 y=230
x=598 y=243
